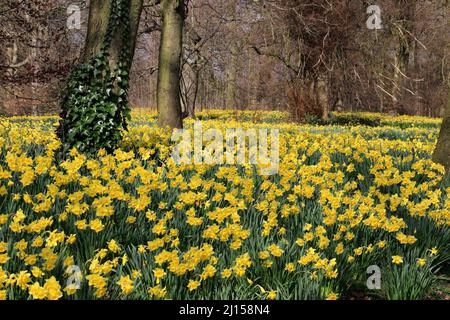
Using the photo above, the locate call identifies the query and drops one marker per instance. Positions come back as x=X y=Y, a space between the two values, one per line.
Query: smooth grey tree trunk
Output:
x=168 y=91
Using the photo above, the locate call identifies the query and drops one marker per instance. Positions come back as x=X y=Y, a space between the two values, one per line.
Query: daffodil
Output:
x=397 y=259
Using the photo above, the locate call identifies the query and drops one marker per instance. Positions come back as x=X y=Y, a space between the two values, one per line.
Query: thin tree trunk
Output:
x=194 y=99
x=231 y=79
x=401 y=63
x=396 y=85
x=254 y=89
x=168 y=96
x=322 y=96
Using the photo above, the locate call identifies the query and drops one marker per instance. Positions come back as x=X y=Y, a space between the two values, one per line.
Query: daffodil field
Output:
x=134 y=225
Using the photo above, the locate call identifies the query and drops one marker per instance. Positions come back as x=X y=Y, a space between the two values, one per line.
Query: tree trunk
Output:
x=401 y=63
x=253 y=90
x=322 y=96
x=442 y=152
x=396 y=85
x=191 y=110
x=168 y=96
x=231 y=79
x=110 y=41
x=97 y=27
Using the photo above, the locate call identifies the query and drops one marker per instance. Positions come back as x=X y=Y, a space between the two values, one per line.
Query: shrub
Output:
x=343 y=120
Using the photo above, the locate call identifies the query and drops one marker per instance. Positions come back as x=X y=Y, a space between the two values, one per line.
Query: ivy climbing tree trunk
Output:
x=442 y=152
x=95 y=105
x=168 y=91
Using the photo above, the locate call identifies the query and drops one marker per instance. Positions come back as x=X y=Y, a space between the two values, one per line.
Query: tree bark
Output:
x=231 y=79
x=442 y=152
x=115 y=30
x=401 y=62
x=322 y=96
x=397 y=84
x=191 y=110
x=97 y=27
x=168 y=96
